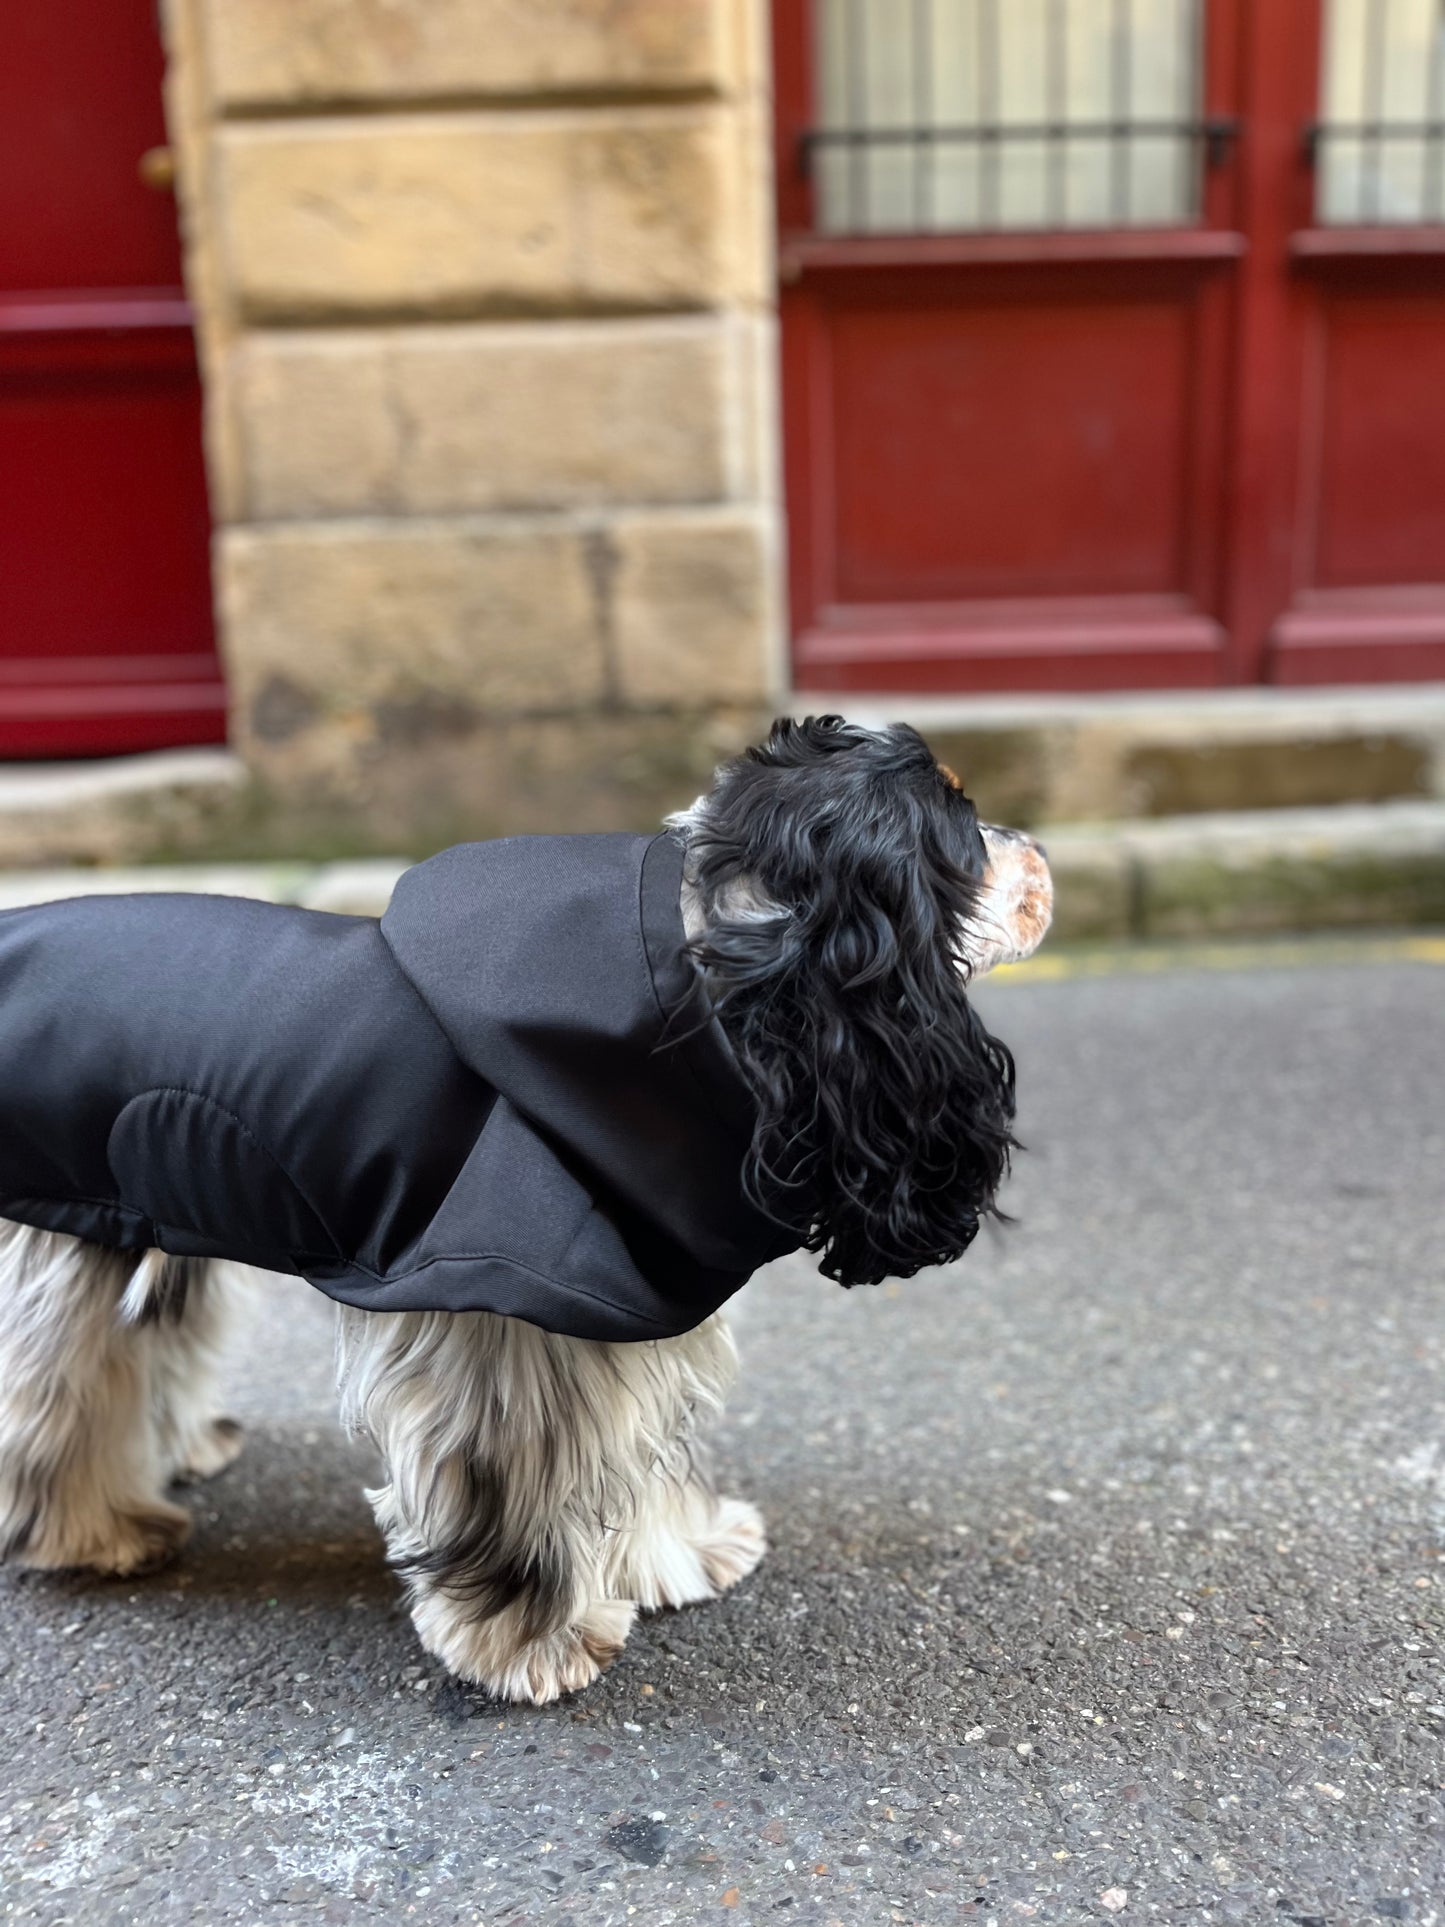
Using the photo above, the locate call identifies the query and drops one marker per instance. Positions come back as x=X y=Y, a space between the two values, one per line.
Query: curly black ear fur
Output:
x=837 y=867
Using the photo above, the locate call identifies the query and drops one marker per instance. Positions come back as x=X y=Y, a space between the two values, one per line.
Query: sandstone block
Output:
x=282 y=52
x=1005 y=771
x=1173 y=779
x=512 y=416
x=1262 y=886
x=314 y=424
x=469 y=213
x=1094 y=887
x=401 y=635
x=692 y=608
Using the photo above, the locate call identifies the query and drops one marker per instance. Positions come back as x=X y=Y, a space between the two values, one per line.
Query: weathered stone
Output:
x=189 y=121
x=690 y=600
x=589 y=771
x=1173 y=779
x=316 y=427
x=499 y=416
x=386 y=633
x=469 y=213
x=285 y=52
x=1005 y=771
x=119 y=809
x=1094 y=888
x=1291 y=870
x=267 y=882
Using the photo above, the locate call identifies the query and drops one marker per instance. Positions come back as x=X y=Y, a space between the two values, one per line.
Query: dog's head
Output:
x=842 y=897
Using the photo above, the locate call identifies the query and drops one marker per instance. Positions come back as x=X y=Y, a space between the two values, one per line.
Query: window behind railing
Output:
x=971 y=115
x=1381 y=138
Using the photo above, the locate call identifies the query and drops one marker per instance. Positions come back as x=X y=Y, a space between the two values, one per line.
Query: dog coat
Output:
x=506 y=1095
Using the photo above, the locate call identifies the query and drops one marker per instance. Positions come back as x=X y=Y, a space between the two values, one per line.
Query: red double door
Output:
x=106 y=640
x=1122 y=365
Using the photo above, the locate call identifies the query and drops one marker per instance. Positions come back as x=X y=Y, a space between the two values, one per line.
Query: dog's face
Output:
x=1016 y=906
x=1014 y=902
x=844 y=897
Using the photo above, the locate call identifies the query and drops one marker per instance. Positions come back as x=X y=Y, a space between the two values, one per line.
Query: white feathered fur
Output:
x=539 y=1490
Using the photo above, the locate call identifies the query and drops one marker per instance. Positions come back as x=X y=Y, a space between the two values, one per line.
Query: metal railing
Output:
x=1380 y=141
x=1012 y=97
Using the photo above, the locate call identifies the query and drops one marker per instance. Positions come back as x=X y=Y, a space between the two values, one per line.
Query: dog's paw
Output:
x=127 y=1543
x=735 y=1545
x=210 y=1450
x=687 y=1563
x=492 y=1653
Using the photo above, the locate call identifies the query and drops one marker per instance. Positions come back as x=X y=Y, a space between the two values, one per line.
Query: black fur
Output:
x=885 y=1109
x=489 y=1563
x=182 y=1283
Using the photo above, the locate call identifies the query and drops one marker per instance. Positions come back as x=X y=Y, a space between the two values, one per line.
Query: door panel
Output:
x=1366 y=596
x=1093 y=394
x=106 y=640
x=1381 y=403
x=1080 y=390
x=1007 y=269
x=81 y=89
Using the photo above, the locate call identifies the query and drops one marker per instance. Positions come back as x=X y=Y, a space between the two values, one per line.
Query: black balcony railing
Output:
x=1216 y=136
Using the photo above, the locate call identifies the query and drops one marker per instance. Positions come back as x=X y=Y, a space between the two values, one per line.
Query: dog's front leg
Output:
x=508 y=1451
x=539 y=1489
x=681 y=1544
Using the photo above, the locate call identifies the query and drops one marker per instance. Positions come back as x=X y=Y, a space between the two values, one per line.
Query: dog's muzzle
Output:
x=1017 y=902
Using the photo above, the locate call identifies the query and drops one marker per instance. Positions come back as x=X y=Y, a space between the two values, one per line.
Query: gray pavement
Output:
x=1106 y=1577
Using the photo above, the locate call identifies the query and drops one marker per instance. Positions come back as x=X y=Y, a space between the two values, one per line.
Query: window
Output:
x=972 y=115
x=1381 y=141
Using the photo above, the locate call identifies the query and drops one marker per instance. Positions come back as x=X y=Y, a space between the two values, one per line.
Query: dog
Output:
x=787 y=1057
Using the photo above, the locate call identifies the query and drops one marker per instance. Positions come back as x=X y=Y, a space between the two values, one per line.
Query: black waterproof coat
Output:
x=504 y=1096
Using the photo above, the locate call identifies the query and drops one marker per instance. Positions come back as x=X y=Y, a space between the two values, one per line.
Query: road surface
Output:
x=1106 y=1579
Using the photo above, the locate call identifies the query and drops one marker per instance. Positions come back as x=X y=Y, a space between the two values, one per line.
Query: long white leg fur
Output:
x=104 y=1397
x=539 y=1489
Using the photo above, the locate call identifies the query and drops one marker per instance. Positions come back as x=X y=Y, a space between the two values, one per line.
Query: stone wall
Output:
x=485 y=300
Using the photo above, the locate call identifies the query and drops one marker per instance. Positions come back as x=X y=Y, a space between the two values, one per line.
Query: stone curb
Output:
x=360 y=888
x=1252 y=873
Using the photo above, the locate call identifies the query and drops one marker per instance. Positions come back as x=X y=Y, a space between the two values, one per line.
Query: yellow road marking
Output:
x=1159 y=959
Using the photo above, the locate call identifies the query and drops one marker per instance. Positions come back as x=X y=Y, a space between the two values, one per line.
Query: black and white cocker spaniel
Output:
x=530 y=1129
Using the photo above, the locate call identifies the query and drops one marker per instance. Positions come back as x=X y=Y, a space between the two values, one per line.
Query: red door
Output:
x=1113 y=341
x=106 y=639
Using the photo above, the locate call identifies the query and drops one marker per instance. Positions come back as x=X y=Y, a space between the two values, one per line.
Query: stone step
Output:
x=1050 y=759
x=1249 y=872
x=1025 y=760
x=354 y=888
x=1240 y=873
x=118 y=808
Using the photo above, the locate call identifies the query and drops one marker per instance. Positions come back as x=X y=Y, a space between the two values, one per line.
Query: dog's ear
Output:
x=839 y=888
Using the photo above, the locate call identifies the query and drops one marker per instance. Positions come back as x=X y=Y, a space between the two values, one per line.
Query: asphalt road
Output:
x=1106 y=1581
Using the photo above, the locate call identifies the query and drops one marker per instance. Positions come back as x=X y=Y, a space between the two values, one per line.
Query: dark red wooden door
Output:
x=1350 y=346
x=1080 y=390
x=106 y=639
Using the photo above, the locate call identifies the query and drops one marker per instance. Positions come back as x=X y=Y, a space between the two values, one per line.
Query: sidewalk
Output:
x=1246 y=873
x=360 y=888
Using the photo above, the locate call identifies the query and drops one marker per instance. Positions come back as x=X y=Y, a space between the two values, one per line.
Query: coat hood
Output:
x=556 y=967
